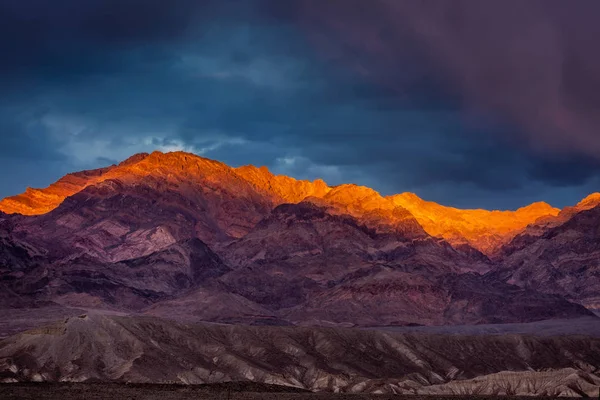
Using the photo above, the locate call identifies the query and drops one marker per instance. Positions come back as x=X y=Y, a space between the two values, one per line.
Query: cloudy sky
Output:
x=491 y=103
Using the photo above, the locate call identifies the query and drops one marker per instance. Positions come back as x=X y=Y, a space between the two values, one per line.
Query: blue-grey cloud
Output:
x=89 y=83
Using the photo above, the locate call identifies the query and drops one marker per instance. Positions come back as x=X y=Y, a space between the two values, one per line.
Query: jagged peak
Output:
x=134 y=159
x=591 y=200
x=409 y=196
x=249 y=169
x=352 y=191
x=539 y=206
x=253 y=172
x=287 y=188
x=179 y=158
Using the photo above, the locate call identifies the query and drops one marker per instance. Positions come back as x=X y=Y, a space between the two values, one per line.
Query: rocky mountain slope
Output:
x=484 y=230
x=179 y=235
x=175 y=237
x=127 y=251
x=564 y=259
x=481 y=229
x=93 y=347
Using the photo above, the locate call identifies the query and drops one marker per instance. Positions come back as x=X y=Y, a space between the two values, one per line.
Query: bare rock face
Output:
x=484 y=230
x=127 y=349
x=563 y=260
x=538 y=228
x=484 y=300
x=15 y=255
x=179 y=235
x=313 y=268
x=175 y=237
x=116 y=220
x=300 y=251
x=220 y=202
x=127 y=285
x=392 y=297
x=333 y=245
x=300 y=265
x=41 y=201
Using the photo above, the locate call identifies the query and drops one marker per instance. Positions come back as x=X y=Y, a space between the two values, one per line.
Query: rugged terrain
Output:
x=563 y=259
x=127 y=349
x=481 y=229
x=103 y=391
x=176 y=237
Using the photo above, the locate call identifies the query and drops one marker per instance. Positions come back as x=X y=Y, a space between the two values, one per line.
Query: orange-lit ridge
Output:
x=484 y=230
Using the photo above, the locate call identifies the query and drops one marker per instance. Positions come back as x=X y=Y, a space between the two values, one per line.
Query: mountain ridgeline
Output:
x=176 y=268
x=176 y=235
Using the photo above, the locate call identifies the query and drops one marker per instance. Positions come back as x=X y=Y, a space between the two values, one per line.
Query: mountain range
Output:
x=160 y=231
x=174 y=236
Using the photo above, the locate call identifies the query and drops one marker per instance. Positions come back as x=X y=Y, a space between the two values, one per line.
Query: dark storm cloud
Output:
x=534 y=62
x=380 y=95
x=32 y=31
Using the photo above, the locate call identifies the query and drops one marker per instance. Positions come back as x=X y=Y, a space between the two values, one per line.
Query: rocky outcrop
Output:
x=483 y=230
x=15 y=254
x=388 y=297
x=41 y=201
x=562 y=260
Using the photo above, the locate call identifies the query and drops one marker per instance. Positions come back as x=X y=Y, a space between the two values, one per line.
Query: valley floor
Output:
x=234 y=391
x=546 y=358
x=589 y=326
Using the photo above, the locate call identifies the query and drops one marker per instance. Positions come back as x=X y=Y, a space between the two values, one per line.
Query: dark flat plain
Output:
x=589 y=326
x=229 y=391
